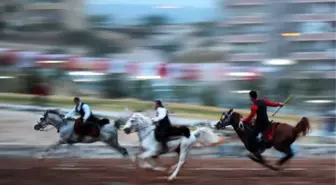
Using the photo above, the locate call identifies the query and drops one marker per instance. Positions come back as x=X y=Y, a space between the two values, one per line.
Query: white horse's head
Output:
x=136 y=122
x=49 y=117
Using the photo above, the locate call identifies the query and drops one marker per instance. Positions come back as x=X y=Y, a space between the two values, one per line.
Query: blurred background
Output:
x=204 y=52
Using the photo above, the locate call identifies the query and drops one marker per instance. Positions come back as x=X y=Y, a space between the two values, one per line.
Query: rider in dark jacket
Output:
x=163 y=124
x=83 y=109
x=258 y=108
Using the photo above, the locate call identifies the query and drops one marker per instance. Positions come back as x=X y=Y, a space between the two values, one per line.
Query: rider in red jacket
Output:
x=258 y=108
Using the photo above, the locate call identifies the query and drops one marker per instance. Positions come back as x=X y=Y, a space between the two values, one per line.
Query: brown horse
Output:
x=278 y=135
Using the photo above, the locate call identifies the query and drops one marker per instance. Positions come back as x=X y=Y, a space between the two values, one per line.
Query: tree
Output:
x=151 y=22
x=154 y=20
x=169 y=47
x=208 y=96
x=181 y=92
x=98 y=46
x=2 y=24
x=204 y=29
x=115 y=86
x=284 y=88
x=98 y=20
x=142 y=89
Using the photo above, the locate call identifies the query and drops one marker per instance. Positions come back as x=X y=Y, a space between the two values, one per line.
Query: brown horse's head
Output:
x=233 y=119
x=230 y=118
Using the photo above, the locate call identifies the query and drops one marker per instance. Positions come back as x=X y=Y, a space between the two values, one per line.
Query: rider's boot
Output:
x=164 y=146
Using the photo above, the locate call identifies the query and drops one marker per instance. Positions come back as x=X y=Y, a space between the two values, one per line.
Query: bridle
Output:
x=46 y=119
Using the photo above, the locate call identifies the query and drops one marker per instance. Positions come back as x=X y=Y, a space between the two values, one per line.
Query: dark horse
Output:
x=278 y=135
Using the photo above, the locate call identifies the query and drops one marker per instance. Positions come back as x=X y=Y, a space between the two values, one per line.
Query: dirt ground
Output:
x=196 y=171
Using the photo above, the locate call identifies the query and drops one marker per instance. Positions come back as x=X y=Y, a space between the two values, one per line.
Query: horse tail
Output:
x=207 y=136
x=118 y=123
x=302 y=126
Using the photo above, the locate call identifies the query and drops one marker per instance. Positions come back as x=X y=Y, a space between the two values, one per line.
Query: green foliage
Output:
x=169 y=47
x=29 y=79
x=115 y=86
x=142 y=89
x=98 y=47
x=208 y=96
x=154 y=20
x=79 y=38
x=284 y=88
x=45 y=26
x=205 y=29
x=98 y=20
x=150 y=22
x=2 y=24
x=181 y=92
x=101 y=47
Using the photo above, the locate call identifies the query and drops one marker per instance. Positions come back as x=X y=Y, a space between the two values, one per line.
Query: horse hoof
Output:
x=279 y=168
x=253 y=158
x=161 y=169
x=274 y=168
x=40 y=156
x=145 y=166
x=170 y=179
x=132 y=158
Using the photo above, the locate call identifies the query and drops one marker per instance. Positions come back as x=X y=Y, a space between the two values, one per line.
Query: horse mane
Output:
x=236 y=114
x=54 y=111
x=143 y=117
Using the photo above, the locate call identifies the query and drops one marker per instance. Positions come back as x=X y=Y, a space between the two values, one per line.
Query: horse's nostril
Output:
x=37 y=127
x=127 y=130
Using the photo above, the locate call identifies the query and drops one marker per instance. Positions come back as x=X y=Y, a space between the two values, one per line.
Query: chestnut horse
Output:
x=278 y=135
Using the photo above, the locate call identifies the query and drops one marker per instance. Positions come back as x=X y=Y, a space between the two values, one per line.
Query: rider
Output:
x=163 y=126
x=84 y=111
x=259 y=108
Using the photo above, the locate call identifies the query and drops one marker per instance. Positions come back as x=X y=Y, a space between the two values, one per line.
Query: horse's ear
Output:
x=230 y=111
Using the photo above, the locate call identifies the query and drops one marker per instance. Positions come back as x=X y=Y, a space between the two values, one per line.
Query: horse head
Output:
x=230 y=118
x=49 y=117
x=224 y=120
x=136 y=122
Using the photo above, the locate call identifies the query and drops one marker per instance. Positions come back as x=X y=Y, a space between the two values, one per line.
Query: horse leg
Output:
x=142 y=163
x=113 y=142
x=183 y=154
x=153 y=163
x=173 y=166
x=51 y=147
x=145 y=156
x=289 y=154
x=257 y=157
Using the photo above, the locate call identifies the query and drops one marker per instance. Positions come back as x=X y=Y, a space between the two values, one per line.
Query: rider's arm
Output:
x=162 y=112
x=87 y=112
x=272 y=104
x=71 y=113
x=253 y=112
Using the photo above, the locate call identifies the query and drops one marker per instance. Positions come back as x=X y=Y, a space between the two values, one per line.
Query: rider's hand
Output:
x=281 y=104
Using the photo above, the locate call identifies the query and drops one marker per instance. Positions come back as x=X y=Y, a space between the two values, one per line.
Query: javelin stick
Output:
x=289 y=97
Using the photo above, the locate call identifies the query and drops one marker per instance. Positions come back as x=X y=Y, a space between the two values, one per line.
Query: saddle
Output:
x=268 y=134
x=91 y=128
x=174 y=133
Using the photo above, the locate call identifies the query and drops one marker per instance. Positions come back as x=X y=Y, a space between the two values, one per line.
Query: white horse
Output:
x=108 y=132
x=181 y=143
